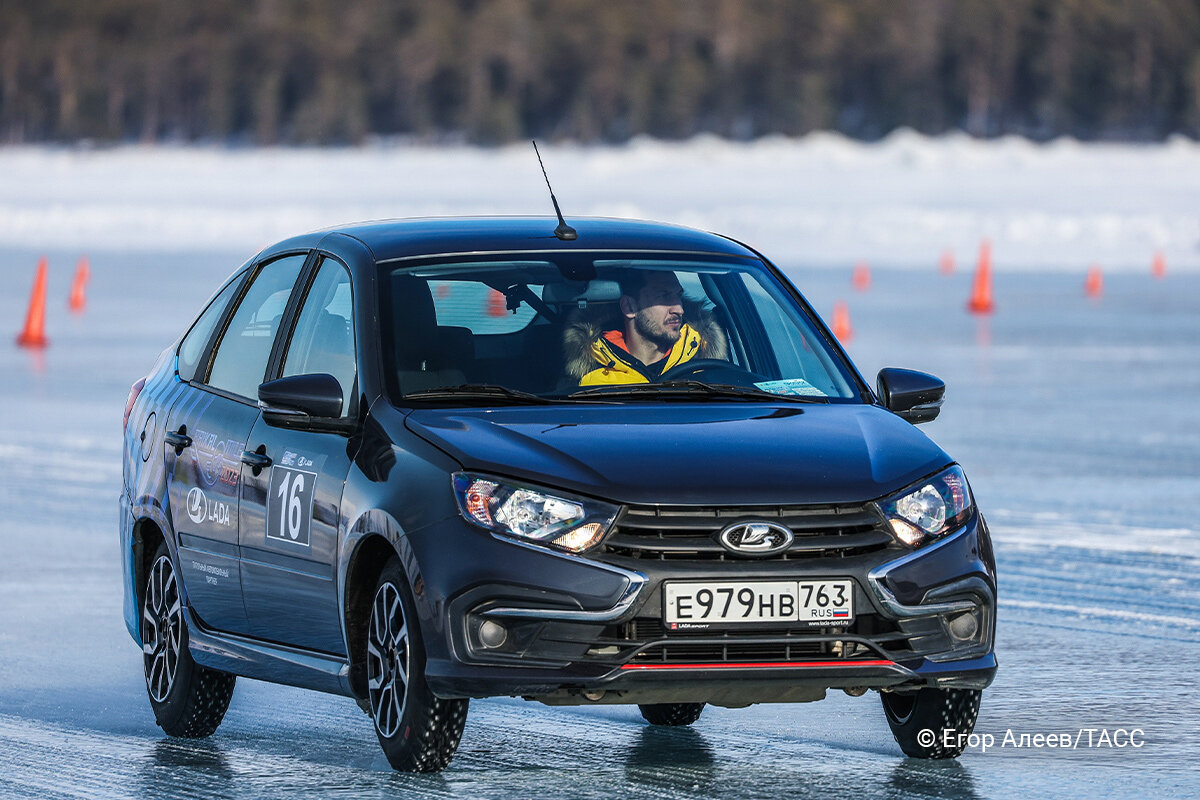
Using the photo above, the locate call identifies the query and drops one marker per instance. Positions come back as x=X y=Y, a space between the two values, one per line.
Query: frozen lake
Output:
x=818 y=199
x=1075 y=419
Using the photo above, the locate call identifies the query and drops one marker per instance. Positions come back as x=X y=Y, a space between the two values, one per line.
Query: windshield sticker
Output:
x=795 y=386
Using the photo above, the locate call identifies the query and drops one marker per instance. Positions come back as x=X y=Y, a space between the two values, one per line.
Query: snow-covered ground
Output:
x=1076 y=420
x=821 y=199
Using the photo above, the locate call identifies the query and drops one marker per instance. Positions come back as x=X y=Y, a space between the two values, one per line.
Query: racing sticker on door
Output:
x=290 y=505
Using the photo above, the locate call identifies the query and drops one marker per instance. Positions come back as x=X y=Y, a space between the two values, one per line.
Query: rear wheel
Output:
x=671 y=713
x=932 y=723
x=188 y=700
x=418 y=731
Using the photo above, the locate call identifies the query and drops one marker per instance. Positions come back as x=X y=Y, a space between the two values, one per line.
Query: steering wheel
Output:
x=715 y=370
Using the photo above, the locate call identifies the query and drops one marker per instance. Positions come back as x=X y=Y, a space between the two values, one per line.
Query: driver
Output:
x=657 y=329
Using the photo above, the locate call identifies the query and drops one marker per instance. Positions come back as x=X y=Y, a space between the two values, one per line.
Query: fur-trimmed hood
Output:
x=587 y=325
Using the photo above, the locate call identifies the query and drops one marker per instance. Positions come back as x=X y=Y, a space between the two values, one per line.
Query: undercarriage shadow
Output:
x=666 y=757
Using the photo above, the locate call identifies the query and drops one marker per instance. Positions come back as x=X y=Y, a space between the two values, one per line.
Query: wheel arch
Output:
x=362 y=573
x=147 y=536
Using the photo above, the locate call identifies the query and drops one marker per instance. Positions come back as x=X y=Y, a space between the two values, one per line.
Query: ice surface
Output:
x=1076 y=421
x=820 y=199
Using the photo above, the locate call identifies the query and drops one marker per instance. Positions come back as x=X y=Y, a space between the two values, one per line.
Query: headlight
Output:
x=523 y=512
x=930 y=509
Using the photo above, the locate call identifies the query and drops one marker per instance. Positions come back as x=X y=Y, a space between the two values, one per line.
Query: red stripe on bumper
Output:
x=764 y=665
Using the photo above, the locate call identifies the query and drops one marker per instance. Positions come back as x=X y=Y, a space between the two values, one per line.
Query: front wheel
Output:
x=418 y=731
x=671 y=713
x=932 y=723
x=189 y=700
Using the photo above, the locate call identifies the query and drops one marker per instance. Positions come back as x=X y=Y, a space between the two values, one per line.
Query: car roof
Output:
x=394 y=239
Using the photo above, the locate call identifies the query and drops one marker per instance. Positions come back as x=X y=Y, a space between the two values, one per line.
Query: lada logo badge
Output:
x=755 y=538
x=197 y=505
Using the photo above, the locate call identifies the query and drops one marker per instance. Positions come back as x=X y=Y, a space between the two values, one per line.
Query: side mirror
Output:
x=297 y=398
x=911 y=395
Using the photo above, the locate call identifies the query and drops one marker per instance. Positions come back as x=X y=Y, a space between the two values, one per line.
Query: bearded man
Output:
x=658 y=328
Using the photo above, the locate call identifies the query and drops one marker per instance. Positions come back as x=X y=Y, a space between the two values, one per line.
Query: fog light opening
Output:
x=964 y=627
x=492 y=634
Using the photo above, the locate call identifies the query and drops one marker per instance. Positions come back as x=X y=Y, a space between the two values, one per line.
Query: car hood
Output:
x=712 y=454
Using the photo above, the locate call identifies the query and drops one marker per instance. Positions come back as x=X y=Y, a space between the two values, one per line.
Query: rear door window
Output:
x=191 y=349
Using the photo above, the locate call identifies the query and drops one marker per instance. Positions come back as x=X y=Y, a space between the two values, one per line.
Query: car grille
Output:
x=644 y=640
x=667 y=533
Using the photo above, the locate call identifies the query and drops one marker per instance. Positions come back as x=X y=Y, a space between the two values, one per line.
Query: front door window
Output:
x=240 y=363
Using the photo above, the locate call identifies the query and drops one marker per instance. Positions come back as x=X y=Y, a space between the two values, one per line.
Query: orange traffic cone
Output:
x=78 y=300
x=841 y=322
x=1159 y=267
x=947 y=263
x=497 y=306
x=862 y=276
x=34 y=334
x=1093 y=286
x=981 y=296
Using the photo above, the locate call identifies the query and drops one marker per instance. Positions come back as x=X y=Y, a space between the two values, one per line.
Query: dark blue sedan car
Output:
x=415 y=462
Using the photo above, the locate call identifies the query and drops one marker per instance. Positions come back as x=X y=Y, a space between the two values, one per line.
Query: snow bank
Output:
x=819 y=200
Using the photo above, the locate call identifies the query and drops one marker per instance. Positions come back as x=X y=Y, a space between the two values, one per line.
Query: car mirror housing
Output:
x=911 y=395
x=299 y=397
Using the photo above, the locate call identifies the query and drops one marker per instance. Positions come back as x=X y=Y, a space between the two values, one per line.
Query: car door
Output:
x=290 y=509
x=207 y=431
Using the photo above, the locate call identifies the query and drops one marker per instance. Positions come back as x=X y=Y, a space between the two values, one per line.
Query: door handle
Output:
x=256 y=459
x=179 y=440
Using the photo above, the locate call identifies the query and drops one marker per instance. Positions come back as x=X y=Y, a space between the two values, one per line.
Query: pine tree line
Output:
x=489 y=71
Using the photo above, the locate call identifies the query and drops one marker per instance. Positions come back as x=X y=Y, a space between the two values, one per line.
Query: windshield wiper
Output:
x=477 y=391
x=697 y=389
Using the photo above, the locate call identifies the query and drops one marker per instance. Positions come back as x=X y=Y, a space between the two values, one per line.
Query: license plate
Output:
x=701 y=605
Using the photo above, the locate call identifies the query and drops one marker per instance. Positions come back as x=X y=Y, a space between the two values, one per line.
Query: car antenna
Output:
x=564 y=231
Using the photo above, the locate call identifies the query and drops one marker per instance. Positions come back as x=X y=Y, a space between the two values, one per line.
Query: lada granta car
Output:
x=422 y=461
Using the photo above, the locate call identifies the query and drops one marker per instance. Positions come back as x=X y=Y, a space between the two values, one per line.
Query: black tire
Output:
x=189 y=700
x=674 y=714
x=949 y=714
x=417 y=731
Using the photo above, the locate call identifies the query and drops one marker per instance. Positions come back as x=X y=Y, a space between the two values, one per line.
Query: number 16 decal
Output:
x=289 y=505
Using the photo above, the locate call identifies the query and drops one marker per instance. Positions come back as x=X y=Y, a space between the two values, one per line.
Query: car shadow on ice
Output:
x=671 y=758
x=212 y=769
x=933 y=778
x=684 y=760
x=173 y=763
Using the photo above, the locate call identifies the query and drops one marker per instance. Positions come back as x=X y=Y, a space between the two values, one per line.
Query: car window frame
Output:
x=219 y=334
x=832 y=344
x=291 y=316
x=202 y=363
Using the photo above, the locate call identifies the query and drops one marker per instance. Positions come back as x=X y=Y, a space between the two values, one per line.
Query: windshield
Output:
x=599 y=326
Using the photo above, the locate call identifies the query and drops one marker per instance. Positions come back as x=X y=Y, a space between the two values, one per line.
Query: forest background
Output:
x=492 y=71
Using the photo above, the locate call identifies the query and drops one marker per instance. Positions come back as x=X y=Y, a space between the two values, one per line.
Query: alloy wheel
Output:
x=162 y=629
x=387 y=660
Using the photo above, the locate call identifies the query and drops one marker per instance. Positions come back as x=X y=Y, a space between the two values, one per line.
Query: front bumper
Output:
x=564 y=647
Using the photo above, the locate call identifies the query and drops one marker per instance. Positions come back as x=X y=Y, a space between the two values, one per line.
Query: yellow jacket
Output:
x=617 y=366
